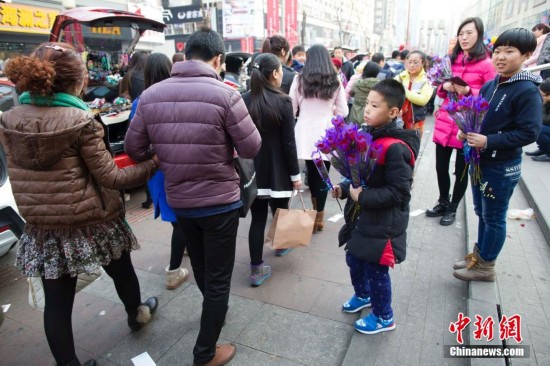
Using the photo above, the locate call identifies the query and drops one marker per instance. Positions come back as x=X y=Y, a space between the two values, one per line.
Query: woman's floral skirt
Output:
x=56 y=253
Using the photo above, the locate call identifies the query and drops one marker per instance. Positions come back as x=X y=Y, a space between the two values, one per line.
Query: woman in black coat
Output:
x=277 y=170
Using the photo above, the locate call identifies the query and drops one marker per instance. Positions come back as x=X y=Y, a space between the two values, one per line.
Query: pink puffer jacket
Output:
x=475 y=74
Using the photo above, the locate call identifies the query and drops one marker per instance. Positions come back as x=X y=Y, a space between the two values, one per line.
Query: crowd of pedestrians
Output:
x=186 y=128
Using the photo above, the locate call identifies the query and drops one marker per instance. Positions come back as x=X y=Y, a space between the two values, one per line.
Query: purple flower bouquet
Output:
x=351 y=151
x=440 y=73
x=468 y=114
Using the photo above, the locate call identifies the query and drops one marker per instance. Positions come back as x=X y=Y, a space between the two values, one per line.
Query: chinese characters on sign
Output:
x=509 y=327
x=182 y=14
x=26 y=19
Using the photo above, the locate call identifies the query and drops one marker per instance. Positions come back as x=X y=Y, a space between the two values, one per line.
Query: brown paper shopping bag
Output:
x=291 y=228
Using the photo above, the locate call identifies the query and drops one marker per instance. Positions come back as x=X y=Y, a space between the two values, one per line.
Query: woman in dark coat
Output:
x=277 y=170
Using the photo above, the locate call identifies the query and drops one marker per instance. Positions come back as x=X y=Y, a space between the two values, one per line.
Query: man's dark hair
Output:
x=479 y=51
x=392 y=91
x=545 y=86
x=336 y=48
x=394 y=54
x=318 y=78
x=377 y=57
x=403 y=54
x=204 y=45
x=371 y=70
x=297 y=49
x=520 y=38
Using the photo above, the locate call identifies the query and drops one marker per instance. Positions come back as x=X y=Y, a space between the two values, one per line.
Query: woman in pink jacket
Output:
x=471 y=62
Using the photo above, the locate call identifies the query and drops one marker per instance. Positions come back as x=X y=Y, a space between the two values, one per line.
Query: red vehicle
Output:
x=106 y=38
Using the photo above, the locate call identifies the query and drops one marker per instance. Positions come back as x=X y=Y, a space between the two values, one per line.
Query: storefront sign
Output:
x=273 y=20
x=239 y=18
x=182 y=14
x=291 y=22
x=26 y=19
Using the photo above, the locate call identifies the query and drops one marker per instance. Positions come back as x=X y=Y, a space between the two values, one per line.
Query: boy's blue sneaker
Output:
x=282 y=252
x=372 y=324
x=355 y=304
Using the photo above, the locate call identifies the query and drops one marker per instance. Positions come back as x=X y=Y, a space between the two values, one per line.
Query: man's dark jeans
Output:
x=211 y=248
x=491 y=199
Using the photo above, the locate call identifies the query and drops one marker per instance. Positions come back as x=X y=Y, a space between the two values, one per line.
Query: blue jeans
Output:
x=371 y=280
x=544 y=139
x=491 y=198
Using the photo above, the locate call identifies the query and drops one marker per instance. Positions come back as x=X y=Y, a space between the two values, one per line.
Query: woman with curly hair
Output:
x=318 y=95
x=65 y=183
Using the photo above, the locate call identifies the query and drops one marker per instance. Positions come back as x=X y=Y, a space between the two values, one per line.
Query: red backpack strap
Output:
x=384 y=144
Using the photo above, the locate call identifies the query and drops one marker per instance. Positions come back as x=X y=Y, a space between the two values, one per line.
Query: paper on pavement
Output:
x=143 y=360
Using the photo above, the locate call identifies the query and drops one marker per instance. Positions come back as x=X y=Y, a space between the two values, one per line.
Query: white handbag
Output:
x=36 y=293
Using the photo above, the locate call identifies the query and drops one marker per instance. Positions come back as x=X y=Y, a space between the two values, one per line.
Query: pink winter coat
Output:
x=475 y=74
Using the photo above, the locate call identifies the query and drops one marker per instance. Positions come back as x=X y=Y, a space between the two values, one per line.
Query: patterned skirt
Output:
x=56 y=253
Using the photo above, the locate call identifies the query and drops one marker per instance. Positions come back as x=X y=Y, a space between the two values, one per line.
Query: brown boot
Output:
x=319 y=222
x=477 y=270
x=224 y=354
x=467 y=259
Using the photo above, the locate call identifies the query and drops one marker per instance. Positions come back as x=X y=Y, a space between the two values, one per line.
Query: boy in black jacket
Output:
x=512 y=121
x=375 y=237
x=543 y=141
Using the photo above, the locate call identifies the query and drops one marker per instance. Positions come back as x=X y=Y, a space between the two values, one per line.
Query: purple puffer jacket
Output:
x=476 y=74
x=193 y=121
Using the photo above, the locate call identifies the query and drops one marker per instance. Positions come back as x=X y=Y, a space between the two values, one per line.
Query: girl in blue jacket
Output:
x=512 y=121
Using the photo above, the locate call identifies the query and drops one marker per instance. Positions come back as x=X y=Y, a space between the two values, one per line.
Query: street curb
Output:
x=536 y=202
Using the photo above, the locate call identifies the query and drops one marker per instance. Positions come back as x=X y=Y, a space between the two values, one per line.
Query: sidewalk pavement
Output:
x=295 y=317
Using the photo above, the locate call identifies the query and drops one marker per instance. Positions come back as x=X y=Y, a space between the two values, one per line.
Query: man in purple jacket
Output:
x=193 y=122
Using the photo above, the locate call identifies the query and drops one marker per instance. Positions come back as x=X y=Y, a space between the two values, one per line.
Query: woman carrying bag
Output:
x=318 y=95
x=418 y=91
x=277 y=169
x=65 y=183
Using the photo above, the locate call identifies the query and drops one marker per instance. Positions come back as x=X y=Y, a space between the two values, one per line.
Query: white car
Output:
x=11 y=224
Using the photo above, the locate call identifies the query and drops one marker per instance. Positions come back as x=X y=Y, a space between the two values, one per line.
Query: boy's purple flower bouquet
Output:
x=468 y=114
x=351 y=151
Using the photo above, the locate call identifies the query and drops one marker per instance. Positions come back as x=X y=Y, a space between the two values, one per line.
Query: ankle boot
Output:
x=175 y=277
x=259 y=273
x=467 y=259
x=143 y=315
x=477 y=269
x=319 y=222
x=450 y=215
x=440 y=208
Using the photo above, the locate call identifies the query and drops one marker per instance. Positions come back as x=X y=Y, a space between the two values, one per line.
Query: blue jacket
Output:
x=156 y=187
x=514 y=116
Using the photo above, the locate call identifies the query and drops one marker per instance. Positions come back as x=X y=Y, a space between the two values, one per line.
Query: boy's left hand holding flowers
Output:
x=476 y=140
x=354 y=193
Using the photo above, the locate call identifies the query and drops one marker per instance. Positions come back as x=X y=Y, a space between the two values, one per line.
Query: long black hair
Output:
x=266 y=100
x=157 y=68
x=371 y=70
x=318 y=78
x=479 y=51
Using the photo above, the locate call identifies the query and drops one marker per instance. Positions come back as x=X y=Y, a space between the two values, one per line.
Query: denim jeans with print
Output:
x=491 y=198
x=371 y=280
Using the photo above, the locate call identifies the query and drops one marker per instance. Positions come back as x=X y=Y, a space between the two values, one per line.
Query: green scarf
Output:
x=57 y=100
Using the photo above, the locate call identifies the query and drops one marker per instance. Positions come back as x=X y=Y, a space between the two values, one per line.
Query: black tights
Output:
x=259 y=211
x=442 y=163
x=317 y=185
x=177 y=248
x=59 y=294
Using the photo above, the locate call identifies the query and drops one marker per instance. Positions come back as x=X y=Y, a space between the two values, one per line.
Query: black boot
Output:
x=143 y=314
x=76 y=362
x=450 y=215
x=440 y=208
